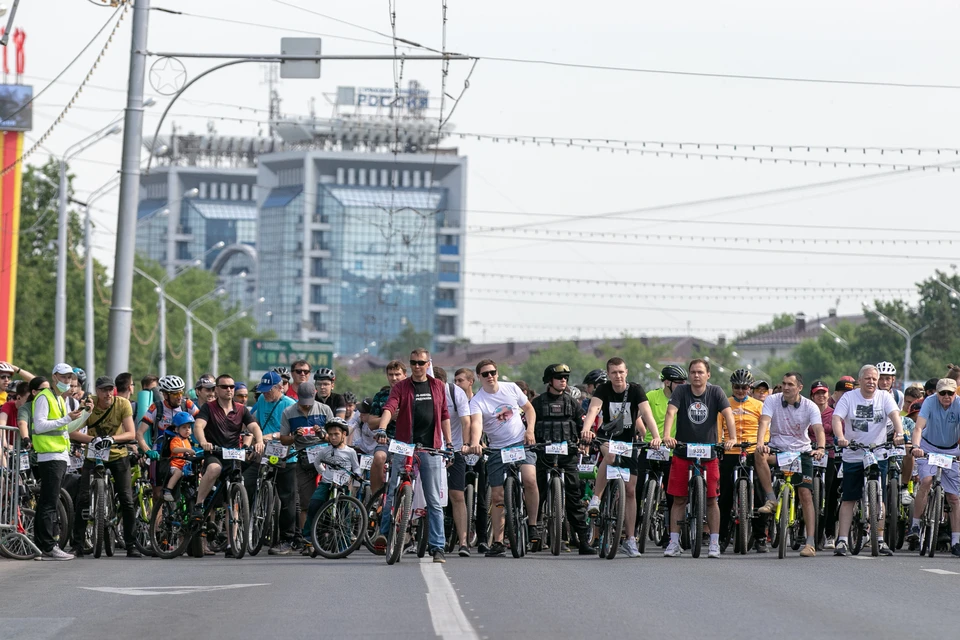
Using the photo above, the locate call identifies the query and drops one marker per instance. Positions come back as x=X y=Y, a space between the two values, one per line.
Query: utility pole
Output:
x=121 y=304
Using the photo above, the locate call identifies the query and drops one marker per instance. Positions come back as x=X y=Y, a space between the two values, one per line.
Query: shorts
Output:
x=804 y=479
x=851 y=488
x=159 y=471
x=382 y=447
x=457 y=473
x=678 y=486
x=210 y=458
x=306 y=481
x=496 y=470
x=950 y=478
x=632 y=461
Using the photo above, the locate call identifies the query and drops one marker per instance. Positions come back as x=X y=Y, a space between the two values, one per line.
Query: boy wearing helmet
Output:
x=337 y=457
x=324 y=379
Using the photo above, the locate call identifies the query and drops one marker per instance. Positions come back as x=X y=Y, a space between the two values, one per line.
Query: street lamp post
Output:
x=60 y=310
x=836 y=336
x=907 y=336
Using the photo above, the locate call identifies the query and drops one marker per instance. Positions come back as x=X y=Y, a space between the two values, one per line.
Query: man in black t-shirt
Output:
x=625 y=411
x=696 y=407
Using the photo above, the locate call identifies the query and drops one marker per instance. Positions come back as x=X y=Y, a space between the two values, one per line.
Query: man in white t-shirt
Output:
x=789 y=417
x=865 y=411
x=496 y=409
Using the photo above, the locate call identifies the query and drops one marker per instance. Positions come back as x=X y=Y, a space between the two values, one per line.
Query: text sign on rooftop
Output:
x=381 y=97
x=267 y=354
x=300 y=68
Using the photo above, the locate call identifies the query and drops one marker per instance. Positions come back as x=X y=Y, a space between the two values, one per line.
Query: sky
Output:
x=564 y=241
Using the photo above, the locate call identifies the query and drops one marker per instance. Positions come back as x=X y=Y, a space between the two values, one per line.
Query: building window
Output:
x=244 y=192
x=340 y=175
x=202 y=187
x=234 y=191
x=449 y=267
x=316 y=320
x=316 y=294
x=317 y=268
x=445 y=325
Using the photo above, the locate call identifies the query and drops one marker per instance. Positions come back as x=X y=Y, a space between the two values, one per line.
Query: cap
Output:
x=105 y=382
x=930 y=385
x=269 y=380
x=846 y=383
x=239 y=386
x=760 y=383
x=63 y=368
x=915 y=407
x=305 y=393
x=206 y=382
x=819 y=385
x=946 y=384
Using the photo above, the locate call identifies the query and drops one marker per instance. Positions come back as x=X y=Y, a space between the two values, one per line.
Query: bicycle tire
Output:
x=470 y=498
x=165 y=545
x=143 y=498
x=260 y=518
x=423 y=534
x=786 y=496
x=111 y=538
x=816 y=495
x=239 y=513
x=338 y=528
x=555 y=524
x=892 y=515
x=873 y=505
x=857 y=528
x=66 y=525
x=16 y=546
x=511 y=516
x=274 y=531
x=936 y=515
x=99 y=516
x=373 y=507
x=403 y=505
x=743 y=516
x=697 y=498
x=649 y=509
x=612 y=518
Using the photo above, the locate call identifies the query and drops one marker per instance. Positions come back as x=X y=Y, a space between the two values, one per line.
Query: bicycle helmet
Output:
x=6 y=367
x=741 y=377
x=339 y=423
x=595 y=377
x=324 y=373
x=283 y=372
x=171 y=384
x=574 y=393
x=349 y=398
x=12 y=386
x=81 y=376
x=181 y=418
x=555 y=370
x=886 y=369
x=673 y=373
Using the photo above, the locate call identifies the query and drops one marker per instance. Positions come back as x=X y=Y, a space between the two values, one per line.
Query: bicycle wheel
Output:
x=16 y=544
x=743 y=515
x=374 y=510
x=649 y=507
x=695 y=525
x=925 y=520
x=260 y=518
x=274 y=530
x=936 y=497
x=66 y=521
x=110 y=538
x=873 y=507
x=817 y=496
x=555 y=523
x=783 y=509
x=470 y=498
x=238 y=515
x=99 y=515
x=611 y=519
x=144 y=503
x=402 y=507
x=511 y=516
x=339 y=527
x=423 y=533
x=892 y=514
x=169 y=532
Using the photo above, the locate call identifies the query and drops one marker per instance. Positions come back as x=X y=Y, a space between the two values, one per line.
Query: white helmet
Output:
x=6 y=367
x=170 y=384
x=886 y=369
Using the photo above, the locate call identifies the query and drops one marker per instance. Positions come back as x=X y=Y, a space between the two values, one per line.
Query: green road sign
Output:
x=267 y=354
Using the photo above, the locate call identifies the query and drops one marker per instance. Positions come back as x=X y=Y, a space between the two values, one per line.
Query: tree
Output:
x=778 y=322
x=406 y=341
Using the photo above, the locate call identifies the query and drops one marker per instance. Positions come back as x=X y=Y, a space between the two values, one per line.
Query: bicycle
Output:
x=613 y=502
x=553 y=502
x=472 y=482
x=339 y=527
x=143 y=500
x=170 y=530
x=101 y=510
x=788 y=521
x=402 y=507
x=653 y=515
x=867 y=510
x=691 y=526
x=515 y=518
x=374 y=506
x=896 y=516
x=937 y=509
x=265 y=515
x=743 y=509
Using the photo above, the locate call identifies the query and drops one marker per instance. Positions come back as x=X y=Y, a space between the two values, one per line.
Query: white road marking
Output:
x=167 y=591
x=941 y=572
x=449 y=620
x=862 y=557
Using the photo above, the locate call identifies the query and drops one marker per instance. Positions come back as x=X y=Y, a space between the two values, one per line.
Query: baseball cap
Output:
x=240 y=386
x=269 y=380
x=206 y=382
x=818 y=385
x=915 y=407
x=930 y=385
x=760 y=383
x=305 y=393
x=946 y=384
x=105 y=382
x=62 y=369
x=846 y=383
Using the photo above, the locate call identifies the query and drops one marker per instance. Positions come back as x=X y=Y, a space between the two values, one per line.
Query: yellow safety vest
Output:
x=55 y=441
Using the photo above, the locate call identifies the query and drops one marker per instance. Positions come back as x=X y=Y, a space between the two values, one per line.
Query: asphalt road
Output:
x=535 y=597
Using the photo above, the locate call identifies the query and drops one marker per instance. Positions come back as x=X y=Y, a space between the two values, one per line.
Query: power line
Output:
x=660 y=296
x=735 y=312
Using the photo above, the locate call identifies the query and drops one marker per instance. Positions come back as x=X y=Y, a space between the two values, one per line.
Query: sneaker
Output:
x=841 y=548
x=411 y=548
x=533 y=535
x=229 y=553
x=629 y=548
x=593 y=509
x=482 y=548
x=56 y=554
x=197 y=512
x=770 y=506
x=713 y=551
x=497 y=550
x=808 y=551
x=914 y=534
x=831 y=543
x=586 y=549
x=380 y=542
x=133 y=553
x=438 y=556
x=884 y=549
x=673 y=550
x=168 y=495
x=464 y=552
x=762 y=546
x=955 y=549
x=285 y=548
x=906 y=497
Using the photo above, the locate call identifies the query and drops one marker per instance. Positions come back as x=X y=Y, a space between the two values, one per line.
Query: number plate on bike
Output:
x=699 y=450
x=74 y=462
x=940 y=460
x=234 y=454
x=98 y=454
x=822 y=462
x=314 y=451
x=25 y=461
x=883 y=454
x=869 y=459
x=586 y=468
x=558 y=449
x=513 y=454
x=273 y=449
x=789 y=461
x=401 y=447
x=366 y=462
x=340 y=478
x=619 y=448
x=618 y=472
x=662 y=454
x=471 y=459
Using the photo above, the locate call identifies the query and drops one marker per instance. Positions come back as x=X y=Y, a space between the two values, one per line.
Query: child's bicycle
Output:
x=340 y=526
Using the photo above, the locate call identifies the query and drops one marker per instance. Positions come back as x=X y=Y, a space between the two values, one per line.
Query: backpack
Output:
x=453 y=396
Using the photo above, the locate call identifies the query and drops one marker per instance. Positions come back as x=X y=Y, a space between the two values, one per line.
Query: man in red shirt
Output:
x=300 y=370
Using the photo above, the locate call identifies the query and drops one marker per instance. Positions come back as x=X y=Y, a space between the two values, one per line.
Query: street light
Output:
x=836 y=337
x=953 y=292
x=60 y=311
x=215 y=346
x=907 y=336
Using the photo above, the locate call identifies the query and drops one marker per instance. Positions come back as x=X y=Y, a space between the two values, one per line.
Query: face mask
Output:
x=63 y=387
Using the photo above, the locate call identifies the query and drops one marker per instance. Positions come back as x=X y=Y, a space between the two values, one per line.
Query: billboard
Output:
x=267 y=354
x=16 y=112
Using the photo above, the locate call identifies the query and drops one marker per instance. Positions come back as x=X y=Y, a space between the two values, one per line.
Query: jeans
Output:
x=431 y=470
x=121 y=481
x=50 y=475
x=286 y=483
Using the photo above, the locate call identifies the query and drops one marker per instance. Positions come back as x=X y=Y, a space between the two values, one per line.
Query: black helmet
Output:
x=595 y=377
x=741 y=376
x=349 y=398
x=555 y=370
x=673 y=373
x=283 y=372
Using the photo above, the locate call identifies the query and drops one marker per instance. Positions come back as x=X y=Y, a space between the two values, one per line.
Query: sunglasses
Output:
x=418 y=363
x=302 y=371
x=947 y=393
x=741 y=387
x=226 y=386
x=240 y=395
x=488 y=374
x=560 y=377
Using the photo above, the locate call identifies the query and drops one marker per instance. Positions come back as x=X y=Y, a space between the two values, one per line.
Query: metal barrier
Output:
x=13 y=534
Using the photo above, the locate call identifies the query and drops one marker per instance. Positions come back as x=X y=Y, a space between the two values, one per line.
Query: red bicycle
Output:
x=402 y=507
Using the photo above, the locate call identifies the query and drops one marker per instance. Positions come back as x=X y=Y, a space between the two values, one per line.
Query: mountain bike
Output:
x=143 y=502
x=553 y=502
x=653 y=515
x=402 y=506
x=867 y=511
x=613 y=502
x=743 y=508
x=265 y=514
x=339 y=527
x=515 y=518
x=937 y=508
x=691 y=526
x=896 y=516
x=789 y=526
x=374 y=506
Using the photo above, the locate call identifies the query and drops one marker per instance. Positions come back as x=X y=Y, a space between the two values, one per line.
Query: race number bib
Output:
x=234 y=454
x=869 y=459
x=471 y=459
x=513 y=454
x=662 y=454
x=789 y=461
x=98 y=454
x=698 y=450
x=401 y=448
x=618 y=472
x=558 y=449
x=366 y=462
x=619 y=448
x=940 y=460
x=822 y=462
x=25 y=461
x=340 y=478
x=314 y=451
x=73 y=463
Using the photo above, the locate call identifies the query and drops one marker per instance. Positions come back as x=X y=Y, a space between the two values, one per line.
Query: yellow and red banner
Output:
x=10 y=184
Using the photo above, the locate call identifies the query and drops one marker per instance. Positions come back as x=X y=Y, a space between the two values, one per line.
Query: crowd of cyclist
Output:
x=459 y=429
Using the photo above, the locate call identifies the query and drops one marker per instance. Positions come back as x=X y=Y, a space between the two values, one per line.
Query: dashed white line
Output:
x=941 y=572
x=449 y=620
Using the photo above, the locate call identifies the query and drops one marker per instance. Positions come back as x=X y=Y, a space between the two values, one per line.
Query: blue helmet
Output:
x=181 y=418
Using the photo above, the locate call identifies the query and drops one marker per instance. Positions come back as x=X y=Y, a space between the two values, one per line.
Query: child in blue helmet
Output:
x=179 y=450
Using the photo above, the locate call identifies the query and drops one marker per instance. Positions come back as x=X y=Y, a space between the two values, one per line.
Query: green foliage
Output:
x=406 y=341
x=779 y=322
x=363 y=386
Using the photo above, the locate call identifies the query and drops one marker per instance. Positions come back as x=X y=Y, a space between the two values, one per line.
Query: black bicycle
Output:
x=515 y=517
x=691 y=526
x=265 y=515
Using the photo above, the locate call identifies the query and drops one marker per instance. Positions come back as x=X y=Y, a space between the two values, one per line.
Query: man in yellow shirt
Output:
x=746 y=418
